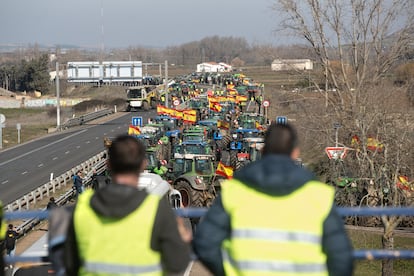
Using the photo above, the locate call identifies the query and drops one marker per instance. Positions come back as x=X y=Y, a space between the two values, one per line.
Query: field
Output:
x=372 y=240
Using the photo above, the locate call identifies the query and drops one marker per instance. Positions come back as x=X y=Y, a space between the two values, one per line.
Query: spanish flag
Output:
x=241 y=98
x=189 y=116
x=224 y=170
x=259 y=126
x=134 y=130
x=161 y=109
x=215 y=106
x=223 y=124
x=403 y=183
x=373 y=144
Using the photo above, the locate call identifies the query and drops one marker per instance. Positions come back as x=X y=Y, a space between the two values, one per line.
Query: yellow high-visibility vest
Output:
x=111 y=246
x=276 y=235
x=3 y=226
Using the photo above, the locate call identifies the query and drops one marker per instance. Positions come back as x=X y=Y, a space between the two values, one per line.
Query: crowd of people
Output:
x=273 y=217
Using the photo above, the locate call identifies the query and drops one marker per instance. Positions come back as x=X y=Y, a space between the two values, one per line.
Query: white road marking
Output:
x=112 y=130
x=67 y=152
x=55 y=158
x=4 y=182
x=40 y=165
x=88 y=142
x=119 y=127
x=189 y=267
x=96 y=138
x=43 y=147
x=78 y=147
x=23 y=173
x=105 y=133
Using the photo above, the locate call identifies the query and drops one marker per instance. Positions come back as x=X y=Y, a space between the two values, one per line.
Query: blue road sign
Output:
x=137 y=121
x=281 y=120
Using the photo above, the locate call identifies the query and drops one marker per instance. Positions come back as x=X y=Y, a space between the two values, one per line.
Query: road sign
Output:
x=176 y=102
x=2 y=118
x=137 y=121
x=336 y=152
x=281 y=120
x=266 y=103
x=18 y=126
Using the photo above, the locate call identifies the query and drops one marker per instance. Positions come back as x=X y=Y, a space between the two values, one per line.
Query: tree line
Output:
x=26 y=74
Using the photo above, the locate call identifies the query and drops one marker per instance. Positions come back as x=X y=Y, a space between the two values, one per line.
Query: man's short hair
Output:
x=126 y=155
x=280 y=139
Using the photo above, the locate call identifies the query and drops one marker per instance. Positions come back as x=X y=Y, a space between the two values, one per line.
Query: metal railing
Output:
x=370 y=254
x=29 y=200
x=86 y=118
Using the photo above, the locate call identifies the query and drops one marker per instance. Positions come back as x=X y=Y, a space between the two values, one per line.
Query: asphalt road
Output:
x=28 y=166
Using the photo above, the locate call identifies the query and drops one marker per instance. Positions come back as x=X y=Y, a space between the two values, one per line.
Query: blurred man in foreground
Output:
x=120 y=229
x=273 y=218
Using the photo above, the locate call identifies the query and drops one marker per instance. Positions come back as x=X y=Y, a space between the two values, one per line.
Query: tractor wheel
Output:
x=189 y=196
x=233 y=159
x=145 y=106
x=153 y=103
x=240 y=165
x=224 y=142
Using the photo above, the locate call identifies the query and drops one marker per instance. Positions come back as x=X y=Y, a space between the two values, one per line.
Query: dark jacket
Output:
x=275 y=175
x=117 y=201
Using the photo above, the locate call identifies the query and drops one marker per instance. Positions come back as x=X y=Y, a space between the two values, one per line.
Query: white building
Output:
x=213 y=67
x=291 y=64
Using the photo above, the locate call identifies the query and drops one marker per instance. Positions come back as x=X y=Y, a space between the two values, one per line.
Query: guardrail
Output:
x=86 y=118
x=29 y=200
x=370 y=254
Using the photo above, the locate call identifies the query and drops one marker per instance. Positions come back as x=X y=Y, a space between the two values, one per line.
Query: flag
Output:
x=134 y=130
x=373 y=144
x=189 y=116
x=403 y=183
x=224 y=170
x=259 y=126
x=223 y=124
x=212 y=99
x=241 y=98
x=162 y=109
x=355 y=141
x=215 y=106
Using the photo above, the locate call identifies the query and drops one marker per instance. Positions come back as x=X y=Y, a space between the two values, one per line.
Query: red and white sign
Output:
x=266 y=103
x=336 y=152
x=176 y=102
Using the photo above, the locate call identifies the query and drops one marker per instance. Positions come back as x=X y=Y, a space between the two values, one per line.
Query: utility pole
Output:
x=57 y=97
x=336 y=127
x=166 y=83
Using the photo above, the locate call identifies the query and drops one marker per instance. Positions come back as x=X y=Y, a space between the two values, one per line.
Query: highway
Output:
x=28 y=166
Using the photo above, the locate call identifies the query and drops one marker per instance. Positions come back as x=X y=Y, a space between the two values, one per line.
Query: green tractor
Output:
x=193 y=178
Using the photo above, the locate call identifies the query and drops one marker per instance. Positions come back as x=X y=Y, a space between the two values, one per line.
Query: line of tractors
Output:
x=187 y=154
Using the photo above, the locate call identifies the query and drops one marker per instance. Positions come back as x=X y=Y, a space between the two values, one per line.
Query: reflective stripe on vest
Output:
x=276 y=235
x=275 y=266
x=284 y=242
x=120 y=246
x=93 y=267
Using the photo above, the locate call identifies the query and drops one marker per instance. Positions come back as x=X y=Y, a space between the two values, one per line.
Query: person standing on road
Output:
x=78 y=182
x=274 y=218
x=120 y=229
x=10 y=241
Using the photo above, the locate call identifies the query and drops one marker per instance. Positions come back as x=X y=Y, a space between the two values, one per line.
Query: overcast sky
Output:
x=157 y=23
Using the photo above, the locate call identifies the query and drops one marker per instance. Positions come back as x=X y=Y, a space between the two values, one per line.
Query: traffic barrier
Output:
x=369 y=254
x=86 y=118
x=97 y=163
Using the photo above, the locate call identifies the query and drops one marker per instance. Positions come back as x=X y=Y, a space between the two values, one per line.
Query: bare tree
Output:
x=357 y=43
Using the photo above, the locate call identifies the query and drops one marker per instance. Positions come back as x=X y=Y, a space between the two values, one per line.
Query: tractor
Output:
x=193 y=177
x=142 y=97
